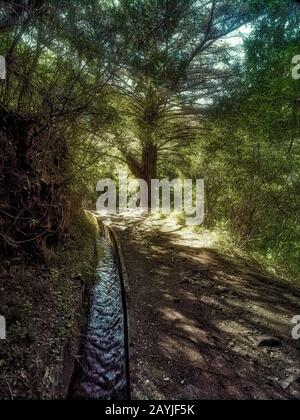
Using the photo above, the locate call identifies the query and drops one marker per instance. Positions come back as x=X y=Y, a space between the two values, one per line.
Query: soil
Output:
x=203 y=325
x=44 y=308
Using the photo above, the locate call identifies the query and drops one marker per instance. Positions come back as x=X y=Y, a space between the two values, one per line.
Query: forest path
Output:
x=198 y=319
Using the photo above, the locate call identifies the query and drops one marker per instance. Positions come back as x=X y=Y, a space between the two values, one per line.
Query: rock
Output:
x=271 y=381
x=24 y=374
x=268 y=341
x=293 y=379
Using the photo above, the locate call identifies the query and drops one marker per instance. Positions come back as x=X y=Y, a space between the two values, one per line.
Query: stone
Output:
x=268 y=341
x=293 y=379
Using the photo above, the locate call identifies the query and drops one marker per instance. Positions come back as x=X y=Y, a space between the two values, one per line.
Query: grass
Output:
x=220 y=238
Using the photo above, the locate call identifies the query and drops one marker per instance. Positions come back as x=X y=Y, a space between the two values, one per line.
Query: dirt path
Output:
x=197 y=318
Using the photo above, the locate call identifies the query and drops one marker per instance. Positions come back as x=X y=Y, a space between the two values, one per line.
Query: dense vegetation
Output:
x=155 y=85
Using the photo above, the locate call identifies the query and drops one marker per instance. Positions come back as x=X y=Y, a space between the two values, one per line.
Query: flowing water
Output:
x=101 y=370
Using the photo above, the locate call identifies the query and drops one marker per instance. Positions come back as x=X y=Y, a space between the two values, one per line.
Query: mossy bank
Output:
x=44 y=307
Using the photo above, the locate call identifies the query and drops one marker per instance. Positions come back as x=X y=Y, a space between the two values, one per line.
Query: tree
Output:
x=251 y=157
x=175 y=65
x=48 y=90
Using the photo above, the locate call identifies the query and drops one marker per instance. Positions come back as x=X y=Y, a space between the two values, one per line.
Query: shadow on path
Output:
x=197 y=316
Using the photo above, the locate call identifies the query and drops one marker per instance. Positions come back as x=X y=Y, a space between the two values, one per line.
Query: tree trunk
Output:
x=149 y=166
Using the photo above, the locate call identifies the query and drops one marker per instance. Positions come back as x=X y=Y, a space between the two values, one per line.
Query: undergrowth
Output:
x=43 y=307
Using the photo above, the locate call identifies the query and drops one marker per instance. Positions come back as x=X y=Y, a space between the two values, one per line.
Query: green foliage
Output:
x=251 y=157
x=152 y=85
